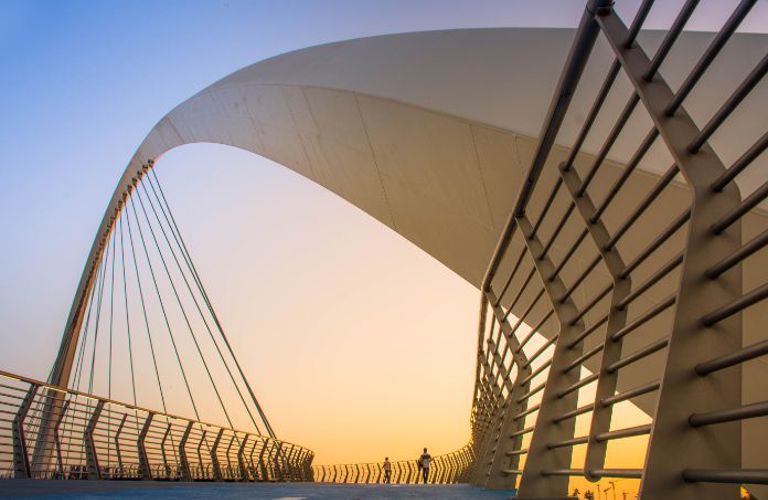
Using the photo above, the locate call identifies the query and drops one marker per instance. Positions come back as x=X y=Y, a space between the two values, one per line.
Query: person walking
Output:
x=387 y=470
x=424 y=460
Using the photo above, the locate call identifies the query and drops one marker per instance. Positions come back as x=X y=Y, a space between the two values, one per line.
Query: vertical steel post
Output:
x=185 y=472
x=201 y=463
x=91 y=454
x=217 y=476
x=57 y=437
x=241 y=459
x=617 y=317
x=21 y=468
x=117 y=444
x=540 y=457
x=674 y=444
x=145 y=471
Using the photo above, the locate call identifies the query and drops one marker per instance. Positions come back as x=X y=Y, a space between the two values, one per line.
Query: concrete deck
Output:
x=19 y=488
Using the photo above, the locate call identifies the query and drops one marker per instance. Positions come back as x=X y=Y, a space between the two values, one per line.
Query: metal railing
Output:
x=444 y=469
x=92 y=437
x=610 y=285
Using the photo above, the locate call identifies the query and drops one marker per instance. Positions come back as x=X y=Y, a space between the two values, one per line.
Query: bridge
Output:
x=613 y=219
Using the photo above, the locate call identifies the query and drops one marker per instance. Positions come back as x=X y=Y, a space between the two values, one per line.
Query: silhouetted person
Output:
x=424 y=460
x=387 y=470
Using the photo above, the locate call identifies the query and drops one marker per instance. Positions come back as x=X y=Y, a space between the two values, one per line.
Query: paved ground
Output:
x=97 y=490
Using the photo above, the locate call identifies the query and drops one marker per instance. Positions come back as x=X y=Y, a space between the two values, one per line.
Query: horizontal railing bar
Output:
x=645 y=317
x=745 y=354
x=547 y=205
x=74 y=393
x=535 y=372
x=556 y=233
x=638 y=355
x=568 y=255
x=568 y=442
x=639 y=430
x=510 y=278
x=597 y=105
x=750 y=202
x=517 y=452
x=586 y=333
x=521 y=432
x=748 y=299
x=652 y=280
x=621 y=122
x=739 y=476
x=656 y=243
x=730 y=105
x=527 y=311
x=578 y=361
x=743 y=162
x=753 y=410
x=546 y=345
x=532 y=392
x=563 y=472
x=520 y=292
x=637 y=22
x=509 y=472
x=591 y=267
x=641 y=151
x=669 y=39
x=527 y=412
x=755 y=244
x=654 y=193
x=709 y=55
x=618 y=473
x=578 y=385
x=575 y=413
x=15 y=388
x=597 y=298
x=637 y=391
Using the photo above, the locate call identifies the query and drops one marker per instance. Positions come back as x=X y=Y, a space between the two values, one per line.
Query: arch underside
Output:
x=434 y=148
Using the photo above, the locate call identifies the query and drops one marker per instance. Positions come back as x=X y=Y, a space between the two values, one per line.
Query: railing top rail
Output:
x=46 y=385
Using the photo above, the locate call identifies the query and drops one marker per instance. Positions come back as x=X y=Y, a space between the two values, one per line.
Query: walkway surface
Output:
x=19 y=488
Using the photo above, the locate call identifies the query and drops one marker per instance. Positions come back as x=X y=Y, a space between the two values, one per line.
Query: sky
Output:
x=362 y=347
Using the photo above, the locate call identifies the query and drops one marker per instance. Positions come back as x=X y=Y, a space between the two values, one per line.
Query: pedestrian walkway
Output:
x=100 y=490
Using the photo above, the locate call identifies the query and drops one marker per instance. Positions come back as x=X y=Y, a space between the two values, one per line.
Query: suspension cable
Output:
x=199 y=281
x=162 y=308
x=181 y=306
x=127 y=318
x=197 y=305
x=98 y=318
x=144 y=307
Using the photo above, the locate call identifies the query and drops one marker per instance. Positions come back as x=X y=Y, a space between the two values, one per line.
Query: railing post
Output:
x=262 y=463
x=540 y=458
x=215 y=456
x=57 y=437
x=185 y=472
x=607 y=381
x=117 y=444
x=241 y=459
x=674 y=444
x=166 y=467
x=251 y=466
x=201 y=463
x=145 y=472
x=278 y=459
x=21 y=469
x=501 y=476
x=91 y=454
